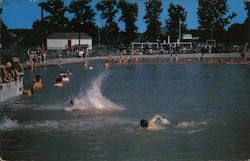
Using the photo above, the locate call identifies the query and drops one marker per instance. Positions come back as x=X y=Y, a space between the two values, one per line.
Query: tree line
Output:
x=213 y=17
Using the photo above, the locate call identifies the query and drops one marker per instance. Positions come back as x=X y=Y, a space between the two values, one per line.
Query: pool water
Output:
x=208 y=106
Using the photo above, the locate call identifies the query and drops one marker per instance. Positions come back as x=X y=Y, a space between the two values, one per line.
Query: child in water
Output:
x=37 y=82
x=29 y=91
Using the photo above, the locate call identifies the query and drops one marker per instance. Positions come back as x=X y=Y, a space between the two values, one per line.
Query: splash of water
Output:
x=74 y=125
x=8 y=124
x=93 y=98
x=190 y=124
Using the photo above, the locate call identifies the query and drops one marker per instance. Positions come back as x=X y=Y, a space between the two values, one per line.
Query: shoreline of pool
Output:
x=74 y=60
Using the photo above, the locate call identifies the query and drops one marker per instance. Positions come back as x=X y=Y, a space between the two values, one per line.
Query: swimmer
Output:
x=65 y=77
x=151 y=124
x=58 y=82
x=37 y=82
x=75 y=105
x=69 y=72
x=28 y=92
x=85 y=64
x=73 y=101
x=106 y=65
x=1 y=159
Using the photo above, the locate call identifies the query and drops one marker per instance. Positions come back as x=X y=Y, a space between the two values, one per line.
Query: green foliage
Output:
x=108 y=12
x=56 y=21
x=237 y=33
x=153 y=11
x=247 y=22
x=5 y=36
x=212 y=18
x=129 y=16
x=83 y=19
x=176 y=14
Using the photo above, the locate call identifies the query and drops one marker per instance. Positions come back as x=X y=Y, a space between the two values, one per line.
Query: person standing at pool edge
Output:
x=151 y=124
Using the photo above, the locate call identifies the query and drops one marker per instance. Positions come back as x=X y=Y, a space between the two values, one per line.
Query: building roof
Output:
x=68 y=35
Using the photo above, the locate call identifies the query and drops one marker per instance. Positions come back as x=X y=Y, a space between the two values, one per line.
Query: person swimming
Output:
x=65 y=77
x=106 y=65
x=69 y=72
x=58 y=82
x=152 y=123
x=73 y=101
x=28 y=92
x=75 y=105
x=37 y=82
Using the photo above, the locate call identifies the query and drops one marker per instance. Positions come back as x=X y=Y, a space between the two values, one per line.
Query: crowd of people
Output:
x=11 y=71
x=37 y=83
x=179 y=59
x=35 y=56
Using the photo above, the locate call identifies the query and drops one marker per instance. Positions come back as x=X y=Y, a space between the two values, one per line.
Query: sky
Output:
x=22 y=13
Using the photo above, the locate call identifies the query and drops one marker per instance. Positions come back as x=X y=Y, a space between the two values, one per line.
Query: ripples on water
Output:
x=207 y=105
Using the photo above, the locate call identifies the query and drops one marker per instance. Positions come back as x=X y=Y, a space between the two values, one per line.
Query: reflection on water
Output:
x=207 y=105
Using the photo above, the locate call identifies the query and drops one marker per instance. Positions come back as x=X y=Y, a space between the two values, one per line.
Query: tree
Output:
x=129 y=16
x=237 y=33
x=56 y=19
x=108 y=12
x=212 y=18
x=83 y=16
x=247 y=22
x=177 y=15
x=1 y=27
x=153 y=11
x=5 y=36
x=41 y=28
x=54 y=22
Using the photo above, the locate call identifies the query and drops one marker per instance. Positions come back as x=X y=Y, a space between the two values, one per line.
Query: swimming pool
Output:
x=207 y=105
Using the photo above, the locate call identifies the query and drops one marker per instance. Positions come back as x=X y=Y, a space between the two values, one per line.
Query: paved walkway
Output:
x=52 y=62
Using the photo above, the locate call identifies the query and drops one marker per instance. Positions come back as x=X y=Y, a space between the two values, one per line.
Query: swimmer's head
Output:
x=73 y=101
x=38 y=78
x=144 y=123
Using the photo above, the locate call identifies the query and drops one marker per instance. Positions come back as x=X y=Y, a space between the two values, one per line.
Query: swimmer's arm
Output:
x=25 y=91
x=155 y=118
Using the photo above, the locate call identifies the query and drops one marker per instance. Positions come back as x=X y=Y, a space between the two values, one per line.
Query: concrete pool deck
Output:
x=224 y=56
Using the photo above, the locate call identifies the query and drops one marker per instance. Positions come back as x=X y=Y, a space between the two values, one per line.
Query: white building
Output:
x=65 y=40
x=189 y=37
